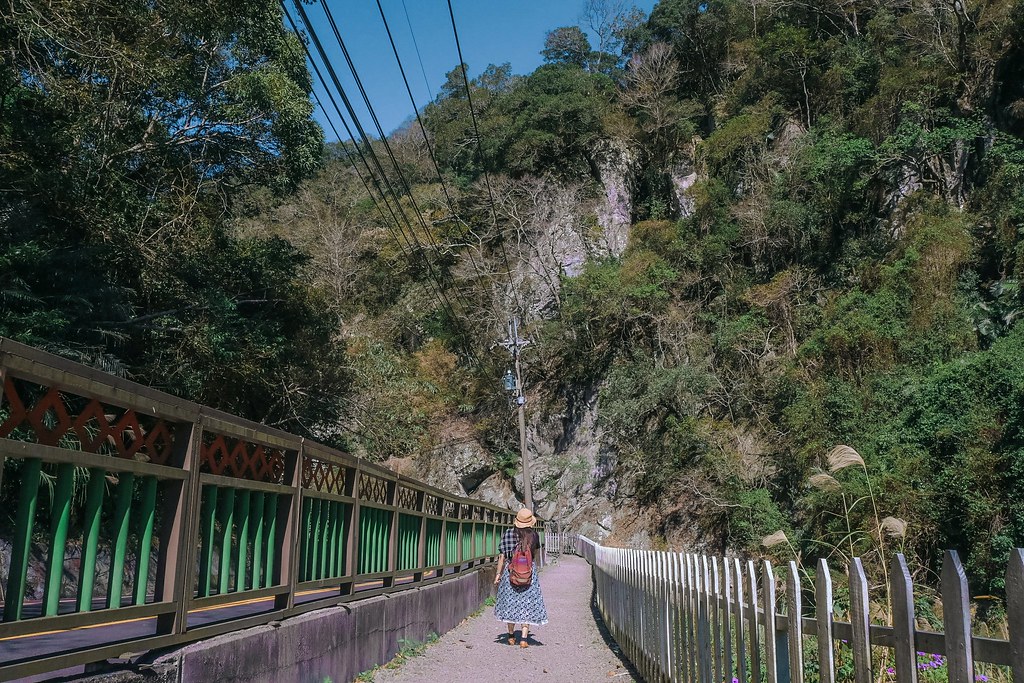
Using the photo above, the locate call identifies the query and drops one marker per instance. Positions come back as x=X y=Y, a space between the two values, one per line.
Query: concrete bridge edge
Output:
x=336 y=643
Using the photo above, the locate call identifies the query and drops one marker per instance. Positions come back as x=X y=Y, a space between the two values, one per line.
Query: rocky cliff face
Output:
x=558 y=227
x=574 y=471
x=617 y=164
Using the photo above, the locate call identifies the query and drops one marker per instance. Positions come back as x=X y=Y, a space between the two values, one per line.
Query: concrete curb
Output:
x=336 y=643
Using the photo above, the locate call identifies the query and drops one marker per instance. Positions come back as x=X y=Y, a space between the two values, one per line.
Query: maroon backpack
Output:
x=520 y=568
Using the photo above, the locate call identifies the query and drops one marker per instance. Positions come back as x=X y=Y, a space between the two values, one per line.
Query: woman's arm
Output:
x=501 y=568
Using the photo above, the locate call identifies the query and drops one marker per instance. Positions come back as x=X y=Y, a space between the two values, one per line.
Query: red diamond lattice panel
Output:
x=320 y=475
x=407 y=498
x=372 y=489
x=432 y=505
x=52 y=417
x=231 y=457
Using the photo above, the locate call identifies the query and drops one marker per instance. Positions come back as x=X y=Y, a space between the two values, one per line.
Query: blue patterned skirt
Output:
x=520 y=606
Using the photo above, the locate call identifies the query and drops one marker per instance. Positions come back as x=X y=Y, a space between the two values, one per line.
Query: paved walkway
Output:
x=571 y=647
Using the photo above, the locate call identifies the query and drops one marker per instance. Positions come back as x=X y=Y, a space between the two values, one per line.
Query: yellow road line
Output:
x=237 y=603
x=77 y=628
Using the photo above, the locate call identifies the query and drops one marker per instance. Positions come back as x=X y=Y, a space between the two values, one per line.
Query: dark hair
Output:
x=526 y=536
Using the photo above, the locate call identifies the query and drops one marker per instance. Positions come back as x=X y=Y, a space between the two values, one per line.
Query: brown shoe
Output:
x=511 y=639
x=523 y=643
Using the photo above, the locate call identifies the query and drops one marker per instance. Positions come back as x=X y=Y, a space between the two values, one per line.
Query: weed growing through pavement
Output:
x=407 y=649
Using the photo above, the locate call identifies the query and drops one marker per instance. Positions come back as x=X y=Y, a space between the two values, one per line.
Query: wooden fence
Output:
x=559 y=542
x=158 y=521
x=694 y=618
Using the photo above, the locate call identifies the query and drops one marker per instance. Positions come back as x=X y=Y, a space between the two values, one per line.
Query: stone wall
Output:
x=335 y=644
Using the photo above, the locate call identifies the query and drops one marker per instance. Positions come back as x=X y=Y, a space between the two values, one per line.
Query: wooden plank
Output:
x=245 y=484
x=956 y=620
x=823 y=616
x=330 y=455
x=770 y=630
x=639 y=641
x=26 y=449
x=665 y=610
x=682 y=665
x=716 y=618
x=1015 y=612
x=631 y=611
x=653 y=615
x=53 y=371
x=692 y=618
x=860 y=623
x=739 y=610
x=77 y=620
x=629 y=606
x=794 y=611
x=641 y=578
x=754 y=642
x=236 y=596
x=256 y=432
x=901 y=590
x=726 y=612
x=704 y=642
x=646 y=607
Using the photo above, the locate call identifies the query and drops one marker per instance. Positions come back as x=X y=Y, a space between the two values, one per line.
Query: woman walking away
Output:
x=520 y=600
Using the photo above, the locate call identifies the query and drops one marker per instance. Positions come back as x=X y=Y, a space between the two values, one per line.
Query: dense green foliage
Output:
x=130 y=132
x=847 y=271
x=844 y=265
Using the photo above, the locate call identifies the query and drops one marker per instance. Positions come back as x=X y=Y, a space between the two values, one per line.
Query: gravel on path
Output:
x=570 y=648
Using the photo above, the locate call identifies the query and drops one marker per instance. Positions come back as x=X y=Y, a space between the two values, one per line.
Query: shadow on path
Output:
x=606 y=635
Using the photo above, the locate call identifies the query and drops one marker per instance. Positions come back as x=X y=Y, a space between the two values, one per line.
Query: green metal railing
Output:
x=162 y=521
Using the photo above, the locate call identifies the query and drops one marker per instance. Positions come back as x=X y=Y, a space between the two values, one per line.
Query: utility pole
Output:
x=514 y=345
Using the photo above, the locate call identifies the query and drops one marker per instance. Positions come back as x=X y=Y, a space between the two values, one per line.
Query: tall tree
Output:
x=131 y=132
x=567 y=45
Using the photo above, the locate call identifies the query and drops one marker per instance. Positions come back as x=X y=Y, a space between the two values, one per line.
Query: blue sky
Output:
x=491 y=31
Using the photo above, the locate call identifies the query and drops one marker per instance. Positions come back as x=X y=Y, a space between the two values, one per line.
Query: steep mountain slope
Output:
x=758 y=231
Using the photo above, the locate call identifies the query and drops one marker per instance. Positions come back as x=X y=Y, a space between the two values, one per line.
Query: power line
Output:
x=436 y=283
x=445 y=304
x=387 y=147
x=418 y=56
x=351 y=137
x=480 y=154
x=423 y=129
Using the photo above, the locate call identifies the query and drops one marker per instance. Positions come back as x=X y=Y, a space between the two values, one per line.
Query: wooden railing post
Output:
x=755 y=642
x=289 y=518
x=716 y=618
x=421 y=549
x=823 y=612
x=392 y=548
x=353 y=550
x=859 y=620
x=179 y=533
x=903 y=622
x=1015 y=612
x=794 y=634
x=771 y=633
x=704 y=623
x=726 y=612
x=739 y=612
x=956 y=618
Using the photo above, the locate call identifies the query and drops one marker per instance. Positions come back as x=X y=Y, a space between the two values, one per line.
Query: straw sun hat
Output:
x=525 y=518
